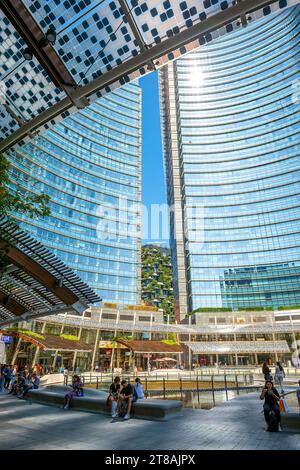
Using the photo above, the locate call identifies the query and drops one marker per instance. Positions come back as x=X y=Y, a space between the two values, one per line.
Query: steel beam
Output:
x=9 y=303
x=32 y=34
x=133 y=25
x=29 y=315
x=132 y=65
x=40 y=274
x=135 y=30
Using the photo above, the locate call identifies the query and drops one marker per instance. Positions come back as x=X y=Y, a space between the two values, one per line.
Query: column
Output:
x=14 y=358
x=35 y=356
x=54 y=360
x=95 y=350
x=151 y=320
x=75 y=352
x=276 y=355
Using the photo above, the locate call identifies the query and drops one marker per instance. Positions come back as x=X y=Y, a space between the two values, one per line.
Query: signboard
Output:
x=5 y=339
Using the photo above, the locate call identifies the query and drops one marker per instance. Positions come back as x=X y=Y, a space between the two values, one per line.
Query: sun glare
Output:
x=196 y=78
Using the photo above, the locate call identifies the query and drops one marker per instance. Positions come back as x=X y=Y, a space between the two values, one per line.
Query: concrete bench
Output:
x=94 y=401
x=290 y=422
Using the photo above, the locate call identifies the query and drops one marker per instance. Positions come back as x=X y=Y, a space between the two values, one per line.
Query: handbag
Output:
x=284 y=407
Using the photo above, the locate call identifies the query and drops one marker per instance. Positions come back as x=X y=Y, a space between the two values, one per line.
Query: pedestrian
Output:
x=9 y=371
x=279 y=375
x=2 y=377
x=66 y=376
x=271 y=406
x=266 y=371
x=14 y=375
x=298 y=395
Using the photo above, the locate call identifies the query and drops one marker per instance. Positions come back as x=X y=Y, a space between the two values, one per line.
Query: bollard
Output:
x=213 y=389
x=97 y=386
x=237 y=385
x=198 y=388
x=226 y=390
x=164 y=388
x=180 y=388
x=146 y=394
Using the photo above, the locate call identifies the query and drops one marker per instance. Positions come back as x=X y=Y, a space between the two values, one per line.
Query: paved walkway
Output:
x=237 y=424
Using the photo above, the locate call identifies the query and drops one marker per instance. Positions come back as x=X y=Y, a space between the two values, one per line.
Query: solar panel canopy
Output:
x=98 y=46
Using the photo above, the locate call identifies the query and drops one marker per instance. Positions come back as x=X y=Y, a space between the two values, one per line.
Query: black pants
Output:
x=275 y=408
x=7 y=382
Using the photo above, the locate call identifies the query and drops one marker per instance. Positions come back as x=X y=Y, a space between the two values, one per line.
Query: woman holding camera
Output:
x=271 y=406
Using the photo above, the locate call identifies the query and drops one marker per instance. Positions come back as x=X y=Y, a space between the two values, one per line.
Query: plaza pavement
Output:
x=236 y=424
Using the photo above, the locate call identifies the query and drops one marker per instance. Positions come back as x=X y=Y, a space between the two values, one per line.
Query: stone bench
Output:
x=290 y=422
x=94 y=401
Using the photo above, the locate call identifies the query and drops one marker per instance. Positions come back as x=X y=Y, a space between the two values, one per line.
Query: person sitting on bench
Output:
x=126 y=397
x=76 y=392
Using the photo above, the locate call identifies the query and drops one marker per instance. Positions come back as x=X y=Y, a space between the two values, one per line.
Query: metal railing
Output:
x=167 y=386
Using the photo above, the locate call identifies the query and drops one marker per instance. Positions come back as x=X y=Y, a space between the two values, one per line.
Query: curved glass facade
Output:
x=90 y=165
x=235 y=112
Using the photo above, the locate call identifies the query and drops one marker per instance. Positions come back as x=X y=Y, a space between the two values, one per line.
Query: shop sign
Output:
x=5 y=339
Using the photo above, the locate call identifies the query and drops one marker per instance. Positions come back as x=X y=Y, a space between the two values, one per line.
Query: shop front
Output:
x=149 y=355
x=50 y=351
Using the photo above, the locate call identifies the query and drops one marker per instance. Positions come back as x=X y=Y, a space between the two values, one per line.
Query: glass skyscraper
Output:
x=231 y=137
x=90 y=165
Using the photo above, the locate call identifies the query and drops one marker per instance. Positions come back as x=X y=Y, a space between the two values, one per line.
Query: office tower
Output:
x=90 y=165
x=230 y=116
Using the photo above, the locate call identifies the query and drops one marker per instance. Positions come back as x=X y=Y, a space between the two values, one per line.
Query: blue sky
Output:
x=153 y=185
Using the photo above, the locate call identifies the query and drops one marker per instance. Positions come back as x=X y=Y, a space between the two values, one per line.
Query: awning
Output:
x=34 y=282
x=51 y=342
x=157 y=347
x=238 y=347
x=165 y=359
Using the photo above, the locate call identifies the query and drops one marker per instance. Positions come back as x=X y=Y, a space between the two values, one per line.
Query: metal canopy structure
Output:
x=100 y=45
x=33 y=282
x=238 y=347
x=207 y=329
